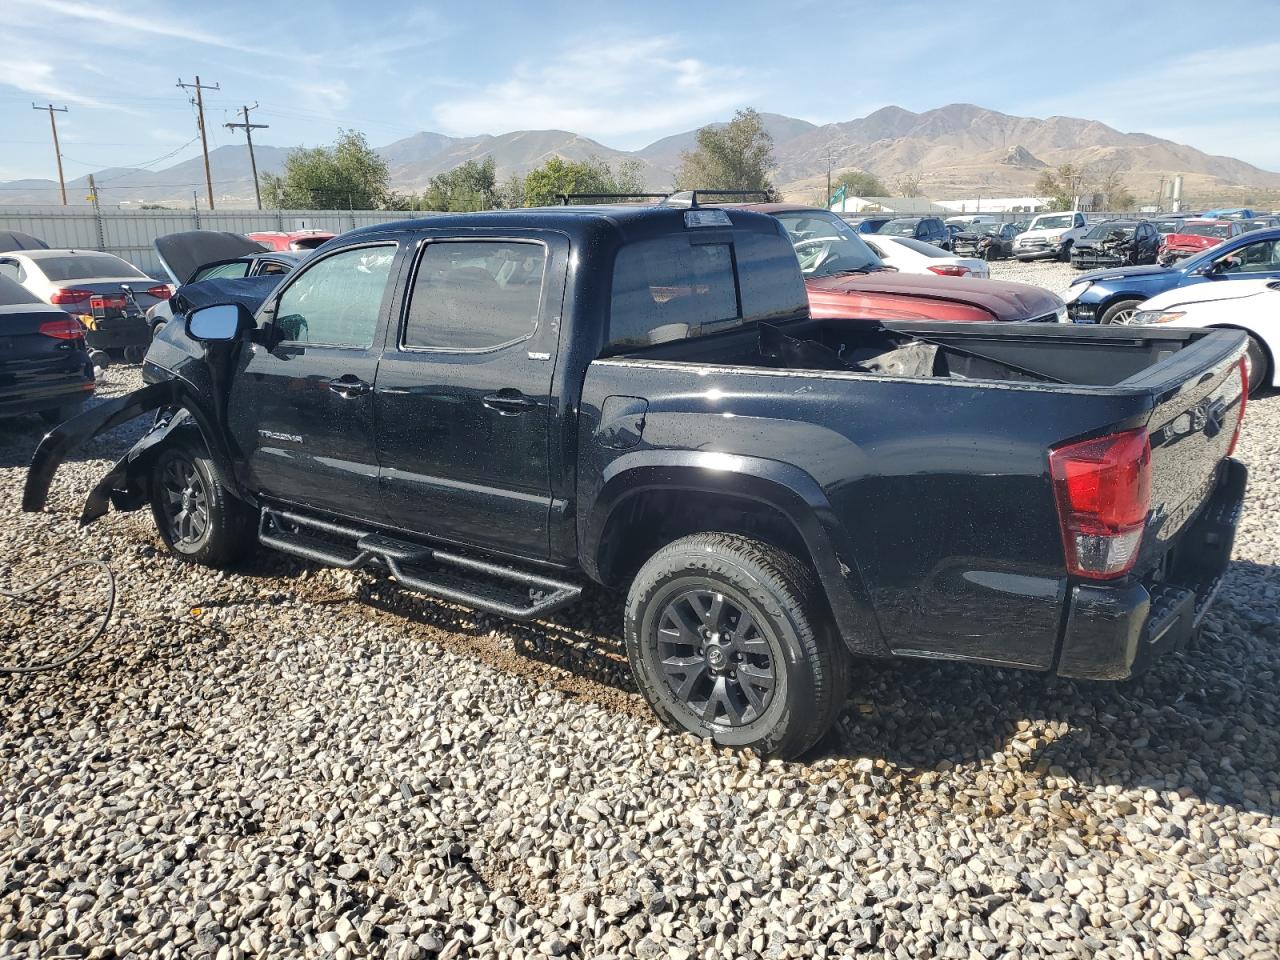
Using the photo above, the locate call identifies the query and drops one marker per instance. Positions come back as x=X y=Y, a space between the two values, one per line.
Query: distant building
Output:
x=901 y=206
x=994 y=204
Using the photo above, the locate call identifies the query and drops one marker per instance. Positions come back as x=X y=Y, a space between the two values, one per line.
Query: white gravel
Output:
x=1050 y=274
x=295 y=762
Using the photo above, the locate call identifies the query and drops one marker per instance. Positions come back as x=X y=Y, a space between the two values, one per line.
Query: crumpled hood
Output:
x=1216 y=290
x=1140 y=274
x=1001 y=298
x=1191 y=241
x=249 y=291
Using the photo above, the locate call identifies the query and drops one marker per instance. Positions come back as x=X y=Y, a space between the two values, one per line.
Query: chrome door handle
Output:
x=349 y=387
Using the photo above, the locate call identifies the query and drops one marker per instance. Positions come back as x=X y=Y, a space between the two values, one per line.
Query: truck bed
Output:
x=930 y=443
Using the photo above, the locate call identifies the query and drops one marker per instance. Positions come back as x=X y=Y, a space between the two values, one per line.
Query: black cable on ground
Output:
x=92 y=638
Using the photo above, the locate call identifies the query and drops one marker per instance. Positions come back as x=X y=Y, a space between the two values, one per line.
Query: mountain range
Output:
x=958 y=150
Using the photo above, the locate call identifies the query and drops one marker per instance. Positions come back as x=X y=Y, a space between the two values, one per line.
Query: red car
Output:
x=1197 y=236
x=292 y=239
x=845 y=278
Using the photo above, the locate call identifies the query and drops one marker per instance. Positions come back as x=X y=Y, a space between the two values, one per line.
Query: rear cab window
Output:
x=698 y=282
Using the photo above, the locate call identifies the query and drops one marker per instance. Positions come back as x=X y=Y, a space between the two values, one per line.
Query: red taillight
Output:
x=1244 y=399
x=160 y=291
x=103 y=301
x=948 y=270
x=1103 y=488
x=70 y=295
x=68 y=329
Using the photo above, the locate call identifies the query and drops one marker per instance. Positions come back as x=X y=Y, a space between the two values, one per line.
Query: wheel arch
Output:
x=651 y=498
x=1271 y=380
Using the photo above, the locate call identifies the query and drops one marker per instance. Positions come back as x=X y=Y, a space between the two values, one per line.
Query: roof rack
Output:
x=566 y=198
x=681 y=198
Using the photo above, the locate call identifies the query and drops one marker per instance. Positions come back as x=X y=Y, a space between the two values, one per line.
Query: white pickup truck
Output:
x=1050 y=236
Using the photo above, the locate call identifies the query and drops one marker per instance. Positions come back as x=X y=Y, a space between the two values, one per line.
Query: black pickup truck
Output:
x=496 y=408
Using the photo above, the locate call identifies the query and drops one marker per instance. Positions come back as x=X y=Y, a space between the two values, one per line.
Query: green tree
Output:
x=468 y=186
x=347 y=175
x=860 y=183
x=737 y=155
x=544 y=185
x=1060 y=186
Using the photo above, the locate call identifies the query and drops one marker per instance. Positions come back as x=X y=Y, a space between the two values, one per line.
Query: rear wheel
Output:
x=1121 y=311
x=197 y=517
x=729 y=639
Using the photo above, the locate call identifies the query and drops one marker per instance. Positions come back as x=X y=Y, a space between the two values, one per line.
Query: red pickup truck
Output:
x=845 y=278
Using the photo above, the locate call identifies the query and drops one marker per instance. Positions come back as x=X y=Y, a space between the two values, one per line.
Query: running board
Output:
x=488 y=587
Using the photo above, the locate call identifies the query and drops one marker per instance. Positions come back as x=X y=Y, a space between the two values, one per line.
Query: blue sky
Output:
x=622 y=74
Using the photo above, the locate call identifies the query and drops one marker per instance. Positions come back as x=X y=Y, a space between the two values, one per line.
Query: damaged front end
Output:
x=1116 y=251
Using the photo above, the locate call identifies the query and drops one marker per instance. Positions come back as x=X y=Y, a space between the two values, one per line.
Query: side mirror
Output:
x=221 y=321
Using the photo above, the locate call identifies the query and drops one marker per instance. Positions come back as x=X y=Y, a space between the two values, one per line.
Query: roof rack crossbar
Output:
x=566 y=198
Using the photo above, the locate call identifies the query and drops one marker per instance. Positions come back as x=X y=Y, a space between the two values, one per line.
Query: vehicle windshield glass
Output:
x=1103 y=230
x=1206 y=230
x=982 y=229
x=234 y=269
x=85 y=266
x=1168 y=226
x=900 y=228
x=826 y=245
x=1062 y=222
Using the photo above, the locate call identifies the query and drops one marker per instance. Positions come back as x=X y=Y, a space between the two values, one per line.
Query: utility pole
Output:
x=204 y=140
x=248 y=135
x=57 y=151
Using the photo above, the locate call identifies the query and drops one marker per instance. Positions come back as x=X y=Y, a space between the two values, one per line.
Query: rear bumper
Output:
x=1116 y=631
x=44 y=398
x=119 y=332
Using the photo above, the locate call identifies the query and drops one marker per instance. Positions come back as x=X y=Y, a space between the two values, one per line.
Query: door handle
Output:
x=349 y=387
x=509 y=403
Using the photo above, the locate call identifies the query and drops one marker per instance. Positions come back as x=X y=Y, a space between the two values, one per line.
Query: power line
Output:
x=204 y=140
x=57 y=151
x=248 y=135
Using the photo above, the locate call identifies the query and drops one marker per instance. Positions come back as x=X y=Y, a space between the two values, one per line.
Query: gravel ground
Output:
x=1050 y=274
x=295 y=762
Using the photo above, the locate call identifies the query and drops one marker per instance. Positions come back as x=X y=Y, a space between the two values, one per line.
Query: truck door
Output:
x=463 y=394
x=301 y=411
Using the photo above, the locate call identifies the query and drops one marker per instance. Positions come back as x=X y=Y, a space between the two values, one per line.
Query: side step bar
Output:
x=509 y=592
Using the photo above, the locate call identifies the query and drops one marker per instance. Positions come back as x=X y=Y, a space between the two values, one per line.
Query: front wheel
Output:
x=1119 y=312
x=1257 y=365
x=197 y=517
x=1065 y=254
x=729 y=639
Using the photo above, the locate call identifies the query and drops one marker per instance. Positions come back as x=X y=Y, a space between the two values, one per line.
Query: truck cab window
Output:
x=475 y=294
x=336 y=301
x=668 y=288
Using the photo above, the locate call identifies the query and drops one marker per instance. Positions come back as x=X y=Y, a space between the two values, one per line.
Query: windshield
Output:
x=1103 y=230
x=85 y=266
x=234 y=269
x=826 y=245
x=1062 y=222
x=899 y=228
x=1168 y=226
x=1221 y=230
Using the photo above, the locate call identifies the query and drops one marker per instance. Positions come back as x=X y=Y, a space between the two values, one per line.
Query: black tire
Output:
x=1258 y=365
x=134 y=353
x=62 y=414
x=1065 y=253
x=692 y=676
x=1119 y=312
x=197 y=517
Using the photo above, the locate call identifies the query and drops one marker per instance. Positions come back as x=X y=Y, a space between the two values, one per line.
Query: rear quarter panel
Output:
x=941 y=490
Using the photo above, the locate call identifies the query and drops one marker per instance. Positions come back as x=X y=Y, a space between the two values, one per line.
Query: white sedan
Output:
x=915 y=256
x=1249 y=305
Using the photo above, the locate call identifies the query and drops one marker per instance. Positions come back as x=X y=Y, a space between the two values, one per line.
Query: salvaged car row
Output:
x=730 y=414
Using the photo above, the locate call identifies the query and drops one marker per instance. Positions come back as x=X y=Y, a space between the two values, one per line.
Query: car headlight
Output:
x=1056 y=238
x=1145 y=317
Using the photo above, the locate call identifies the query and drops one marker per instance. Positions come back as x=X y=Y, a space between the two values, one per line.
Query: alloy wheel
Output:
x=185 y=501
x=716 y=658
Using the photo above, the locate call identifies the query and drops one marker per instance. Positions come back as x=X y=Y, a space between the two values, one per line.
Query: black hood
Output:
x=248 y=291
x=184 y=253
x=13 y=240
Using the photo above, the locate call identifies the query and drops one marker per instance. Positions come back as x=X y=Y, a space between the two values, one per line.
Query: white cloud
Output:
x=620 y=89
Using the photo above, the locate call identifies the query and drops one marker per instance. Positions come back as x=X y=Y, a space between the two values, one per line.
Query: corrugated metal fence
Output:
x=129 y=233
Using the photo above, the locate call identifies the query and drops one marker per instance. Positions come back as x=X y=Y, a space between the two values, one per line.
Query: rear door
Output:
x=462 y=399
x=301 y=403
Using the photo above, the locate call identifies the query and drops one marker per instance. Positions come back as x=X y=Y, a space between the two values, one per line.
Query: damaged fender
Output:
x=116 y=486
